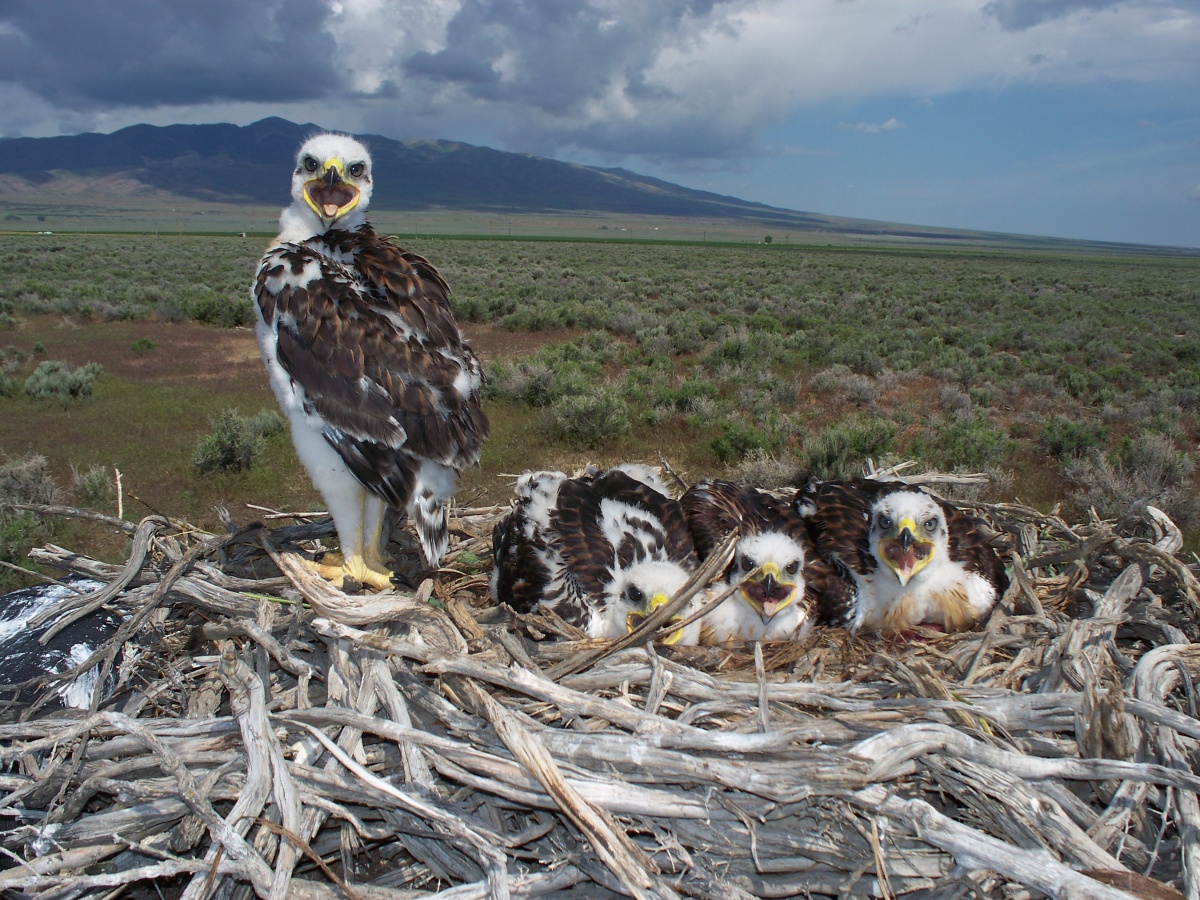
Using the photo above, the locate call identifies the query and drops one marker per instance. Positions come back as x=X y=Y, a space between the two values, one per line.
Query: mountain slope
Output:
x=242 y=165
x=248 y=164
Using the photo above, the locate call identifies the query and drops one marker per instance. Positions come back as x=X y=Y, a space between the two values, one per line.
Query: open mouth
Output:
x=331 y=199
x=634 y=619
x=767 y=602
x=905 y=558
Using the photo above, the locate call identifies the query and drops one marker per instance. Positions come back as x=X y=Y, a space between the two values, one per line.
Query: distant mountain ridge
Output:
x=243 y=164
x=248 y=165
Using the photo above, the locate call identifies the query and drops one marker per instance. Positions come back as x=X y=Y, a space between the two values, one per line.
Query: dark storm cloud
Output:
x=1018 y=15
x=85 y=55
x=553 y=55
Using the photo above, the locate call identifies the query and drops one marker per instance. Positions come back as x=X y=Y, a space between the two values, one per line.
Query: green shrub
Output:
x=1066 y=438
x=8 y=387
x=738 y=440
x=236 y=441
x=143 y=345
x=16 y=537
x=964 y=442
x=689 y=396
x=53 y=379
x=93 y=486
x=591 y=418
x=267 y=423
x=841 y=450
x=208 y=306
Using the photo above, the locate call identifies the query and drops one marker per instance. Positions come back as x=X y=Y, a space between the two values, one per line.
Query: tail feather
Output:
x=429 y=517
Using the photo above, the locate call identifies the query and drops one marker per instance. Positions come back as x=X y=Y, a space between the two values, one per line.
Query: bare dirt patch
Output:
x=490 y=342
x=181 y=351
x=190 y=352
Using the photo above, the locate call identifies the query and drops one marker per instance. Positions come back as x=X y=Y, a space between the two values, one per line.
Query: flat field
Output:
x=1071 y=379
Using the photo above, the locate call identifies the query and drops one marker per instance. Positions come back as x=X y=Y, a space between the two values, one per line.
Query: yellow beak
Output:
x=903 y=553
x=330 y=196
x=634 y=619
x=767 y=591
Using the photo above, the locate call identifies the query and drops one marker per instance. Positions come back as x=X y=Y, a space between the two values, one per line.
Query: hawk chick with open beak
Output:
x=781 y=585
x=916 y=560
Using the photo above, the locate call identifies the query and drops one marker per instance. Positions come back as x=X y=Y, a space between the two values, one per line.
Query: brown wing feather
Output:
x=521 y=578
x=969 y=547
x=677 y=544
x=578 y=537
x=375 y=347
x=838 y=517
x=713 y=509
x=834 y=593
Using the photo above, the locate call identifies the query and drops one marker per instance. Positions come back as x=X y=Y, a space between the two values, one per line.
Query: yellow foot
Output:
x=336 y=570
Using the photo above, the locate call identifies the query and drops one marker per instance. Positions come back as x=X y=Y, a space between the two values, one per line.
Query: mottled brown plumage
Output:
x=914 y=558
x=366 y=358
x=597 y=549
x=789 y=587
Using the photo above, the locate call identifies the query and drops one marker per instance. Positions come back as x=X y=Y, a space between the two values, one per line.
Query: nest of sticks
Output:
x=271 y=736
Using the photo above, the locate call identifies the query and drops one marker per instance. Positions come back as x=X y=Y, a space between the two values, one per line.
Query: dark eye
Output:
x=931 y=524
x=635 y=595
x=747 y=564
x=793 y=567
x=885 y=522
x=310 y=164
x=357 y=169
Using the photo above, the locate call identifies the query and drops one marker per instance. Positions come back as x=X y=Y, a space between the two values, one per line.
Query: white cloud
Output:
x=673 y=79
x=872 y=127
x=374 y=37
x=626 y=77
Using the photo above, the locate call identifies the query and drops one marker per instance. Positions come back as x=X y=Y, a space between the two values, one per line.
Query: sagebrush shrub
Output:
x=761 y=469
x=53 y=379
x=1150 y=471
x=738 y=440
x=841 y=450
x=170 y=308
x=24 y=480
x=236 y=441
x=959 y=442
x=92 y=486
x=208 y=306
x=16 y=535
x=1068 y=439
x=842 y=381
x=591 y=418
x=27 y=479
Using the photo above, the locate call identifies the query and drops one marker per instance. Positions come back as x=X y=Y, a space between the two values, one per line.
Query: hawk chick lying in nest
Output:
x=603 y=550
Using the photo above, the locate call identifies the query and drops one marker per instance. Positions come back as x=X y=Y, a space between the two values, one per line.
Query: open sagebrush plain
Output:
x=1072 y=380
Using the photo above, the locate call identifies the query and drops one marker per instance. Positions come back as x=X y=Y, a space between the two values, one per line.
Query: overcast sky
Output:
x=1067 y=118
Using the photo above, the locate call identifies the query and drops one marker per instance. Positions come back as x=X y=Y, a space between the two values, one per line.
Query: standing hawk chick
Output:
x=377 y=382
